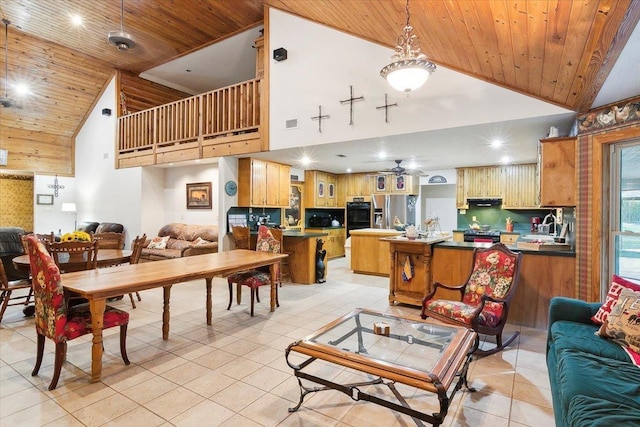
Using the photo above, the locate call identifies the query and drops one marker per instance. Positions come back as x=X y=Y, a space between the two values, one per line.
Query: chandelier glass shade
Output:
x=409 y=68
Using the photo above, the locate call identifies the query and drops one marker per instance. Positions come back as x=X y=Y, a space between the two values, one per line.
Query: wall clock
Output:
x=231 y=188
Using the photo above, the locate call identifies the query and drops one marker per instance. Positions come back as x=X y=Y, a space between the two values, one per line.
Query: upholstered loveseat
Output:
x=100 y=227
x=593 y=381
x=182 y=240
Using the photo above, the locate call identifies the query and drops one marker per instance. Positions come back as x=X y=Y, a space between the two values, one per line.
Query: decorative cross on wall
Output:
x=56 y=186
x=319 y=118
x=350 y=101
x=386 y=108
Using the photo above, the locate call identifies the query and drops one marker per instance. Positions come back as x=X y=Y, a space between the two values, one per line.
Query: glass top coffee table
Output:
x=421 y=354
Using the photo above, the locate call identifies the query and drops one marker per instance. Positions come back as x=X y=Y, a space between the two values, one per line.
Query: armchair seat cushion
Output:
x=251 y=278
x=79 y=320
x=463 y=313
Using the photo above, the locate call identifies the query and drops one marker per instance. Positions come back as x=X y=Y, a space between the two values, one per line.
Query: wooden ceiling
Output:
x=560 y=51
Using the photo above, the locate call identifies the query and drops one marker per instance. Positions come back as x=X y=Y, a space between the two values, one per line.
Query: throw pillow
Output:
x=158 y=243
x=622 y=325
x=200 y=241
x=618 y=284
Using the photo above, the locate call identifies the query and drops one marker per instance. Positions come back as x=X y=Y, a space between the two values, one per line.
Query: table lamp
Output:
x=71 y=207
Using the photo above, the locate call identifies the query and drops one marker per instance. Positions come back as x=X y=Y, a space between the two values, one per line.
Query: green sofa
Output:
x=593 y=382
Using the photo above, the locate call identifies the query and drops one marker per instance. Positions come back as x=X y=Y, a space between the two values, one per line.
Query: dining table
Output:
x=99 y=284
x=105 y=258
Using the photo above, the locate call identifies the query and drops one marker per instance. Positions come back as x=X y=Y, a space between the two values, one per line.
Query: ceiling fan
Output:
x=5 y=101
x=399 y=170
x=120 y=39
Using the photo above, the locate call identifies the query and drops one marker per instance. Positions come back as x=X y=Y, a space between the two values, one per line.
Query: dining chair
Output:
x=484 y=298
x=285 y=267
x=55 y=319
x=255 y=278
x=109 y=240
x=74 y=256
x=8 y=287
x=44 y=238
x=136 y=250
x=240 y=236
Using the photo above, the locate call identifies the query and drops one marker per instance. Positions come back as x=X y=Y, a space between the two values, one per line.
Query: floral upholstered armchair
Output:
x=484 y=298
x=54 y=319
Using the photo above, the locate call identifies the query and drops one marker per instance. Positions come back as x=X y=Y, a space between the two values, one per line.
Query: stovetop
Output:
x=482 y=233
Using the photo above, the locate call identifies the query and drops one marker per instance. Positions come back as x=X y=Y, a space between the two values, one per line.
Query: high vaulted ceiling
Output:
x=560 y=51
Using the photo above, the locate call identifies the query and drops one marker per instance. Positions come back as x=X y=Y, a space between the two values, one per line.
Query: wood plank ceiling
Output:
x=560 y=51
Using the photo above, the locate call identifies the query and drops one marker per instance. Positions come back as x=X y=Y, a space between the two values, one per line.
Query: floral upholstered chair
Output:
x=256 y=278
x=484 y=298
x=56 y=321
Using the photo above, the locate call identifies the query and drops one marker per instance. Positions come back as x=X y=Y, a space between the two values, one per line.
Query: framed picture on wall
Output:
x=44 y=199
x=199 y=195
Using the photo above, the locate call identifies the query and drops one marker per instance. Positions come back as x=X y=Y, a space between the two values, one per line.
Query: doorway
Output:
x=16 y=209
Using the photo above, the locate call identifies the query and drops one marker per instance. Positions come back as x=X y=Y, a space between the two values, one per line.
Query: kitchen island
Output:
x=369 y=254
x=410 y=268
x=543 y=275
x=301 y=247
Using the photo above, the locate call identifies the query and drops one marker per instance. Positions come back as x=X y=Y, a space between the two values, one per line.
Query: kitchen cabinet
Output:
x=321 y=189
x=395 y=184
x=357 y=185
x=478 y=182
x=520 y=186
x=369 y=252
x=263 y=184
x=341 y=189
x=558 y=172
x=333 y=241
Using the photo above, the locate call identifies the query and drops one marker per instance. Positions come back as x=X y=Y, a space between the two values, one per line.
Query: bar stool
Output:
x=285 y=267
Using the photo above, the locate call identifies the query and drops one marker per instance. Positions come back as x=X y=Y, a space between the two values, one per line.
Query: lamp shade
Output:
x=68 y=207
x=407 y=75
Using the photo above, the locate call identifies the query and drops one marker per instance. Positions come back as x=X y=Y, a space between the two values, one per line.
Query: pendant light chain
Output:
x=6 y=55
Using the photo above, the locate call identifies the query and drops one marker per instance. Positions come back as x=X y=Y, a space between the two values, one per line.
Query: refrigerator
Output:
x=388 y=206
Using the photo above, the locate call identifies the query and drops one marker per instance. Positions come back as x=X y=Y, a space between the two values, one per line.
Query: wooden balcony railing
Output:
x=221 y=122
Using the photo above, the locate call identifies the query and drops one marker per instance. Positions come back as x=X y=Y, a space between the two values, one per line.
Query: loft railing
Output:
x=204 y=119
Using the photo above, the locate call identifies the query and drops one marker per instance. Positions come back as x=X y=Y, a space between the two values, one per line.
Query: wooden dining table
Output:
x=100 y=284
x=105 y=258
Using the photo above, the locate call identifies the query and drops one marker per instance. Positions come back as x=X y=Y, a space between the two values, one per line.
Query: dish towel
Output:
x=407 y=270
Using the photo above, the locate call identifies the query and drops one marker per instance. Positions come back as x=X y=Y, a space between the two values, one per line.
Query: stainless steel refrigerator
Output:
x=387 y=207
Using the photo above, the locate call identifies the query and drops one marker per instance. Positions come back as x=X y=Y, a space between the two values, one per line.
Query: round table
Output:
x=106 y=258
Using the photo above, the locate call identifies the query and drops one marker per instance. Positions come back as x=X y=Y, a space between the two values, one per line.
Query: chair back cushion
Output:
x=48 y=293
x=266 y=242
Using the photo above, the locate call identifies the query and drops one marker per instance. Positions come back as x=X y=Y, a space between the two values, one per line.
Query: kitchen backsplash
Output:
x=496 y=218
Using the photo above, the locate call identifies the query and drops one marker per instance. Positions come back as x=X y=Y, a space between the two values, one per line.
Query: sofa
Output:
x=593 y=380
x=100 y=227
x=181 y=240
x=11 y=247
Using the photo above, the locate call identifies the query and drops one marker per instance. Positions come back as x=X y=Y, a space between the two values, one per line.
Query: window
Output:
x=624 y=238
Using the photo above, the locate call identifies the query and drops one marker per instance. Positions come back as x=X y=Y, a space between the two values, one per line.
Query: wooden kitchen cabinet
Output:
x=478 y=182
x=341 y=188
x=358 y=185
x=321 y=189
x=395 y=184
x=520 y=186
x=262 y=183
x=333 y=242
x=558 y=172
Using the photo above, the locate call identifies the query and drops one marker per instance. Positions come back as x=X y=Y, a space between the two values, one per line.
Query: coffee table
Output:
x=417 y=353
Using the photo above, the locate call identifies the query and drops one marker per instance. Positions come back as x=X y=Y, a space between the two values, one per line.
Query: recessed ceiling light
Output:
x=76 y=20
x=382 y=155
x=305 y=160
x=496 y=143
x=505 y=159
x=188 y=70
x=348 y=170
x=21 y=89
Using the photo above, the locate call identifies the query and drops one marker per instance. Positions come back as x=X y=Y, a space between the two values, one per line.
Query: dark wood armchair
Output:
x=484 y=298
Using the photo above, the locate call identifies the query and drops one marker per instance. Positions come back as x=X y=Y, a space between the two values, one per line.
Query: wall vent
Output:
x=291 y=124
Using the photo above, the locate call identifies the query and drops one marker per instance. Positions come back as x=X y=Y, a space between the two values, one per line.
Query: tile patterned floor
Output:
x=233 y=373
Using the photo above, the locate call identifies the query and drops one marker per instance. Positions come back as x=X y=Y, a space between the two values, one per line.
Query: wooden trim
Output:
x=264 y=95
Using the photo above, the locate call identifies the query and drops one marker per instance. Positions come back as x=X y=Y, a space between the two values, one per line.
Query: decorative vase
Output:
x=412 y=232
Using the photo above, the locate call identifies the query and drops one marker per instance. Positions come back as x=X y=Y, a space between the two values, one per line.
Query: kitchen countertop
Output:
x=419 y=241
x=374 y=231
x=471 y=246
x=297 y=233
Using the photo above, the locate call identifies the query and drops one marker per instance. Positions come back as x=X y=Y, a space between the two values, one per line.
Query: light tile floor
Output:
x=233 y=373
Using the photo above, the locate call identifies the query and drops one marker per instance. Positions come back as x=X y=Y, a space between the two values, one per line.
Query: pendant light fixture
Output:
x=409 y=68
x=5 y=101
x=121 y=40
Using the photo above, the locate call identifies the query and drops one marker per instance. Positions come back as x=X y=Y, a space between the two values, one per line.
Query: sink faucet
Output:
x=554 y=221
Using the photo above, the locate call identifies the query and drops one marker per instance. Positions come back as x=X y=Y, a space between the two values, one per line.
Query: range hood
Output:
x=482 y=203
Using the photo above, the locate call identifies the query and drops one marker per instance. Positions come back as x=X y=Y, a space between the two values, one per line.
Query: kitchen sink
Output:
x=538 y=237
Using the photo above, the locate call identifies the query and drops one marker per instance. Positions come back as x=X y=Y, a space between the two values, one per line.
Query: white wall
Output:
x=103 y=193
x=322 y=63
x=175 y=194
x=440 y=201
x=48 y=218
x=151 y=207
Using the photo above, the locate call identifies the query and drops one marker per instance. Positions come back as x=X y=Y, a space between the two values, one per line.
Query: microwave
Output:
x=320 y=221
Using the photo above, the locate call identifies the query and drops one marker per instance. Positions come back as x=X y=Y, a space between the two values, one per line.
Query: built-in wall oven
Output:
x=358 y=216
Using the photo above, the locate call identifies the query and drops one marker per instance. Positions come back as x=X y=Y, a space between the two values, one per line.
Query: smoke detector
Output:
x=120 y=39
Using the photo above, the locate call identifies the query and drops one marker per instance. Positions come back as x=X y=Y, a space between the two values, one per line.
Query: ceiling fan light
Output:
x=408 y=75
x=121 y=40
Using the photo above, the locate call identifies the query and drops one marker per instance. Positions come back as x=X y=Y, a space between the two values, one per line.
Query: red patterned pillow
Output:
x=618 y=284
x=622 y=324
